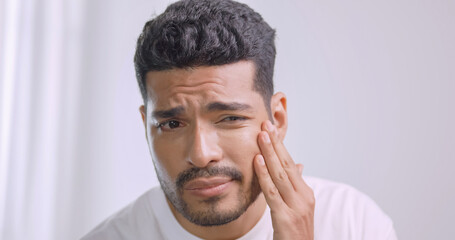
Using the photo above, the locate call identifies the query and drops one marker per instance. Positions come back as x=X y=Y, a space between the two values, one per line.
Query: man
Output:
x=215 y=132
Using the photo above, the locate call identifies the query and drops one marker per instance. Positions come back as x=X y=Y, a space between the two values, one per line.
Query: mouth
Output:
x=208 y=187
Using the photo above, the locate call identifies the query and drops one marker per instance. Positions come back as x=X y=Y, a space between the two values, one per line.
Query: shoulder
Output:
x=129 y=222
x=330 y=192
x=342 y=210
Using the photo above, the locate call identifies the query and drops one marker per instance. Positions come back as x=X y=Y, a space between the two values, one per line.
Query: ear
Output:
x=279 y=113
x=143 y=114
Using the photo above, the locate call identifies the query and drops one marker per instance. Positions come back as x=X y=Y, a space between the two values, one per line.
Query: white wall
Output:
x=370 y=89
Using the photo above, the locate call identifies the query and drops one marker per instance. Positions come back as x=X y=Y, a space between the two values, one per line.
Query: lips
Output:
x=208 y=187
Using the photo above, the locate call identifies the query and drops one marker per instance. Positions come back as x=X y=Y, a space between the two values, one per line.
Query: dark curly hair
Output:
x=192 y=33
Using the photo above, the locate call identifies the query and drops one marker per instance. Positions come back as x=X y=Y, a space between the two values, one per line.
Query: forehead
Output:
x=207 y=83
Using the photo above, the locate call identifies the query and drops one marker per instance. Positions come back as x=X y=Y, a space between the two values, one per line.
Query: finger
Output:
x=285 y=158
x=276 y=171
x=300 y=168
x=271 y=194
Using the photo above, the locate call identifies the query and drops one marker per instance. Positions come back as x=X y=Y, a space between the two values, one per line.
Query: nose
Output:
x=204 y=148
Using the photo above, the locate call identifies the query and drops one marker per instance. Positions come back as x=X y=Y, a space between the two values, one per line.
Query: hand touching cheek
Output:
x=290 y=199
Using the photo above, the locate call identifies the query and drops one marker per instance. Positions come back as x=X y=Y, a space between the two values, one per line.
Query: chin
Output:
x=215 y=212
x=219 y=210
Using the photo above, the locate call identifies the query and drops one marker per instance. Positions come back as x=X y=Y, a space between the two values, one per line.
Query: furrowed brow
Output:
x=231 y=106
x=169 y=113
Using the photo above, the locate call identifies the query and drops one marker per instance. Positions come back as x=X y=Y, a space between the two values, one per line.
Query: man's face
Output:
x=202 y=126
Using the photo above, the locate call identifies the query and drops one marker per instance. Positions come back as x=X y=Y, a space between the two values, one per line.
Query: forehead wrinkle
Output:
x=195 y=87
x=190 y=88
x=184 y=94
x=181 y=78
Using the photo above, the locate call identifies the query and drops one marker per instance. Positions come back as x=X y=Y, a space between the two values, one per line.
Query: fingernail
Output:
x=261 y=160
x=269 y=126
x=265 y=137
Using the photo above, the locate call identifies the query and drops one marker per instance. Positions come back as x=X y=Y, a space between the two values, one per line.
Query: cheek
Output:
x=164 y=157
x=240 y=146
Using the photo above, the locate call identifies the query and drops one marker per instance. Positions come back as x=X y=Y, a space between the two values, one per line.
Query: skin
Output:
x=238 y=138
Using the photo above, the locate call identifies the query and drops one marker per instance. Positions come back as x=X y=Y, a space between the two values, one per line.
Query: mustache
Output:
x=195 y=172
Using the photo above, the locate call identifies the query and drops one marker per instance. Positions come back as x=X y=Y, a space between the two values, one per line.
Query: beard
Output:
x=210 y=215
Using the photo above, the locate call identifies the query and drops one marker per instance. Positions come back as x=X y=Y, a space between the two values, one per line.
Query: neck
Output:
x=231 y=230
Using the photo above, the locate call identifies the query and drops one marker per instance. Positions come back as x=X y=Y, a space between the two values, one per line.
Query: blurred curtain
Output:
x=40 y=43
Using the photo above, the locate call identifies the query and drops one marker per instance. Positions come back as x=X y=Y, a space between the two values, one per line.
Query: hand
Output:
x=290 y=199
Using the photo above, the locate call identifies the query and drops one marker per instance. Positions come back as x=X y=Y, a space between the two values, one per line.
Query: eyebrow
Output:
x=170 y=113
x=211 y=107
x=231 y=106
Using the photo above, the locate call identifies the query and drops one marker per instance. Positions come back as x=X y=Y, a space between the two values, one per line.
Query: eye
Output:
x=233 y=119
x=169 y=125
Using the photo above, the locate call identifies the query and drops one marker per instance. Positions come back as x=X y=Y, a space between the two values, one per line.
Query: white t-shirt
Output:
x=341 y=213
